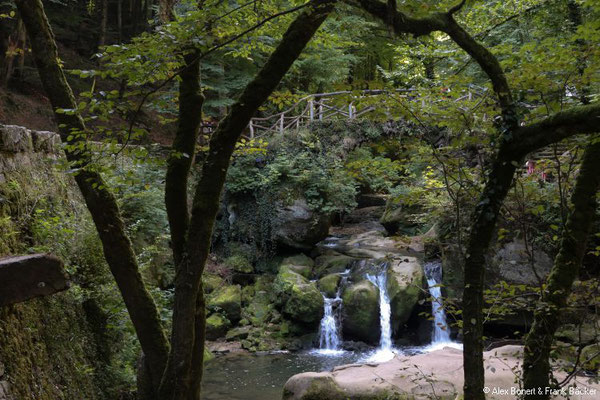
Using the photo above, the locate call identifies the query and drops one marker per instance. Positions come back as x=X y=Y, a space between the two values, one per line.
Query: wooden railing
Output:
x=321 y=106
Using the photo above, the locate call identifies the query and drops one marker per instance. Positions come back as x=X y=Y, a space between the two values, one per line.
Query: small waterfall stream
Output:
x=385 y=351
x=330 y=338
x=440 y=337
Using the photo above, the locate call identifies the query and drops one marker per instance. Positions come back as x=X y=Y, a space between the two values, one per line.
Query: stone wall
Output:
x=49 y=346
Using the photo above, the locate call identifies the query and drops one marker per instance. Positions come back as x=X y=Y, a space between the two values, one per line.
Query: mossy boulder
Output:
x=300 y=264
x=329 y=284
x=229 y=300
x=299 y=298
x=332 y=263
x=239 y=263
x=208 y=355
x=361 y=312
x=212 y=282
x=217 y=326
x=404 y=287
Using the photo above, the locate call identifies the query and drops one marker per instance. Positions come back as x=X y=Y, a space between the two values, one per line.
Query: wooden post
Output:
x=311 y=110
x=321 y=110
x=281 y=123
x=251 y=126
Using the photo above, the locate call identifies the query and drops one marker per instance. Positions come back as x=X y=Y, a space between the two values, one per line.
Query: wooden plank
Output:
x=25 y=277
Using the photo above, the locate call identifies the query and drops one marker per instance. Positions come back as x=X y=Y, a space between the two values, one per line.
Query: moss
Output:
x=331 y=264
x=216 y=326
x=329 y=283
x=212 y=282
x=300 y=299
x=228 y=299
x=300 y=264
x=361 y=312
x=591 y=358
x=239 y=263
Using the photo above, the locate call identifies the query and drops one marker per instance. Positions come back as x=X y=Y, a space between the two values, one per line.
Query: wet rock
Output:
x=361 y=312
x=404 y=287
x=400 y=219
x=333 y=263
x=511 y=264
x=329 y=284
x=238 y=333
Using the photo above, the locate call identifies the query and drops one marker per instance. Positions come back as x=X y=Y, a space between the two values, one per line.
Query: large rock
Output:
x=26 y=277
x=360 y=311
x=511 y=264
x=229 y=300
x=299 y=227
x=404 y=287
x=300 y=300
x=435 y=375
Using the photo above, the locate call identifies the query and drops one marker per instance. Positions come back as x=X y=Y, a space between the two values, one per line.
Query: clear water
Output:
x=385 y=352
x=261 y=377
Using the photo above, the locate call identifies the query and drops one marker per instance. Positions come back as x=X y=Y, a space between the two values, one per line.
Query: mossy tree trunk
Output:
x=184 y=370
x=536 y=365
x=100 y=201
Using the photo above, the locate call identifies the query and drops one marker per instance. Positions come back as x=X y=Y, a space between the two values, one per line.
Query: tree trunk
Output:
x=99 y=200
x=538 y=344
x=184 y=370
x=103 y=21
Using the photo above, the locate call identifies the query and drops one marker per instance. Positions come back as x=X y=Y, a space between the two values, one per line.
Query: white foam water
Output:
x=441 y=334
x=385 y=352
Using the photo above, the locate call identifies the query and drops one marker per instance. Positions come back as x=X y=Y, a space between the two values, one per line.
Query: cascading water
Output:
x=385 y=351
x=330 y=338
x=441 y=335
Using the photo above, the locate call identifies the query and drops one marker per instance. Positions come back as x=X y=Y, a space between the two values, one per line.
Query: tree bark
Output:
x=184 y=370
x=538 y=344
x=100 y=201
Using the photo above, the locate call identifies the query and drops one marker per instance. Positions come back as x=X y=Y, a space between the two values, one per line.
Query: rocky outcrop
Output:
x=361 y=312
x=404 y=286
x=438 y=375
x=25 y=277
x=299 y=227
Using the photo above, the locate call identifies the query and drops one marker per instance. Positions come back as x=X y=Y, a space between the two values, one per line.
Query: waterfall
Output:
x=330 y=338
x=385 y=351
x=441 y=335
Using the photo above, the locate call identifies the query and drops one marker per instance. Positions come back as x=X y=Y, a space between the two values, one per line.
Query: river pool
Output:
x=261 y=377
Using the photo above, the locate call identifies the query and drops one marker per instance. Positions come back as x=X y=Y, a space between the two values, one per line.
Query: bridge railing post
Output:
x=251 y=126
x=281 y=123
x=311 y=110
